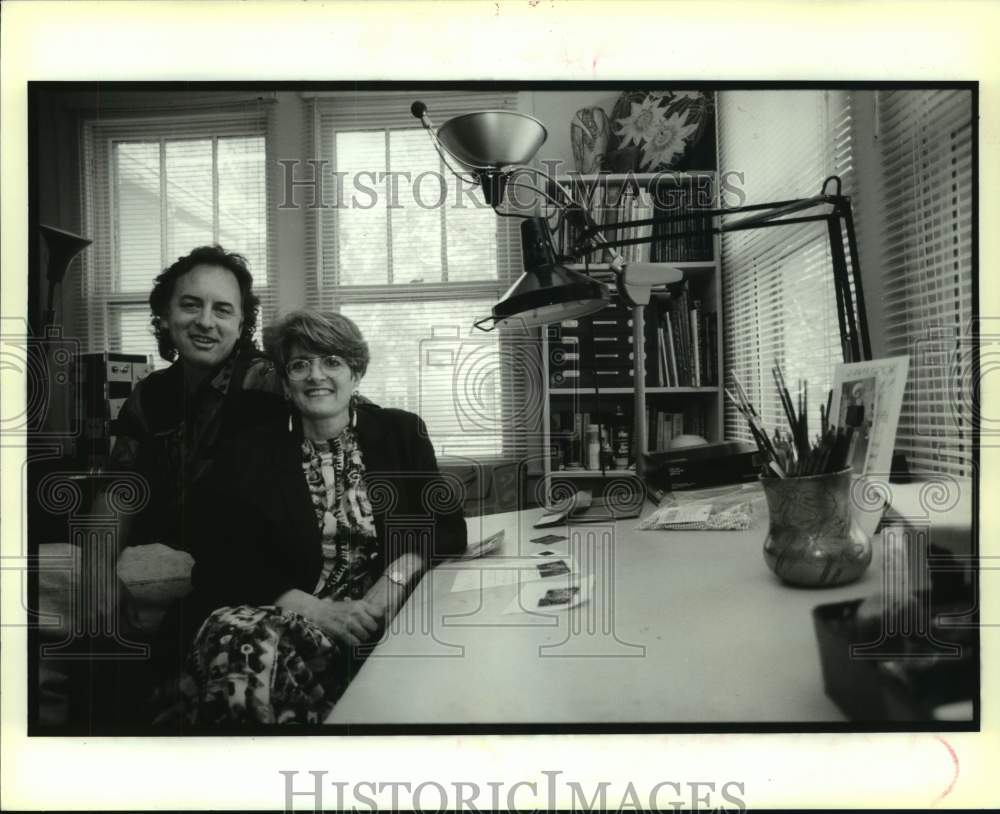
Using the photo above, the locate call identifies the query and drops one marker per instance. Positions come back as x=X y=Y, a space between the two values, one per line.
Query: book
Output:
x=703 y=340
x=712 y=331
x=694 y=322
x=671 y=353
x=677 y=344
x=683 y=314
x=661 y=357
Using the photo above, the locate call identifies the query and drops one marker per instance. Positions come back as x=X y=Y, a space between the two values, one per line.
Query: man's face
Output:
x=205 y=315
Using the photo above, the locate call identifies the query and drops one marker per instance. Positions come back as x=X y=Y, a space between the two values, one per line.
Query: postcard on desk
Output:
x=549 y=538
x=483 y=547
x=867 y=399
x=579 y=502
x=582 y=507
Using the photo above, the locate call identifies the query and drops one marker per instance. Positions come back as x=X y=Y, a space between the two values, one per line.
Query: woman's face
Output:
x=325 y=388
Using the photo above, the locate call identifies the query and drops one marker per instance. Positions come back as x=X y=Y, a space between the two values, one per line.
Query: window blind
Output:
x=925 y=150
x=156 y=187
x=779 y=305
x=415 y=257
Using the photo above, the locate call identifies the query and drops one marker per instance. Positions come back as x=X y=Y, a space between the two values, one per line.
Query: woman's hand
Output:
x=386 y=597
x=350 y=622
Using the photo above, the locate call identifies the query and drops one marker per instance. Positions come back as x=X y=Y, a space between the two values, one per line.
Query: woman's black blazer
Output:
x=253 y=528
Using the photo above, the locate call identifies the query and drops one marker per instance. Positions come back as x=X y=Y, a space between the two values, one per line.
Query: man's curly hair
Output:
x=163 y=290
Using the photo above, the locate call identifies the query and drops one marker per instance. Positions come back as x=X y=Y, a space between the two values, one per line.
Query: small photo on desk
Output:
x=559 y=597
x=569 y=591
x=552 y=569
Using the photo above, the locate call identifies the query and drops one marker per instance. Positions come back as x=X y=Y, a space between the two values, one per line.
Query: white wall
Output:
x=290 y=224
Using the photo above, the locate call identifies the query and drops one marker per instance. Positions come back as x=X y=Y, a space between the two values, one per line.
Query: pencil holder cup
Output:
x=813 y=539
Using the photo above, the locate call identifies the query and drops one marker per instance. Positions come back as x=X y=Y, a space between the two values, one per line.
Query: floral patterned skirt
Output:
x=263 y=665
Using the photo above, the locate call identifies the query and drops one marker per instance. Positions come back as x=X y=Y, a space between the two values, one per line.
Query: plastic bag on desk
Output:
x=722 y=508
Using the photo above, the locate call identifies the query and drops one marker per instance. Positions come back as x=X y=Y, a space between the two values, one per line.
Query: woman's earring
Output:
x=354 y=409
x=290 y=422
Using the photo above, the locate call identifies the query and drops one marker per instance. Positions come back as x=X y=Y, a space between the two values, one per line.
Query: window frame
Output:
x=320 y=293
x=755 y=263
x=99 y=285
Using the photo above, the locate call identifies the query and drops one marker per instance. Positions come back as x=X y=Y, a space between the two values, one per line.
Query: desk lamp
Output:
x=493 y=148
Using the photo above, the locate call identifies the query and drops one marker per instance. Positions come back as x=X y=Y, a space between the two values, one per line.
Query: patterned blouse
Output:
x=334 y=472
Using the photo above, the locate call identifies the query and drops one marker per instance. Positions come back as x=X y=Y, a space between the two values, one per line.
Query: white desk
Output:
x=703 y=632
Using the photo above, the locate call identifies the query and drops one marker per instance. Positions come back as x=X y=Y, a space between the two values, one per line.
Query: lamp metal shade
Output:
x=541 y=297
x=492 y=138
x=62 y=247
x=547 y=292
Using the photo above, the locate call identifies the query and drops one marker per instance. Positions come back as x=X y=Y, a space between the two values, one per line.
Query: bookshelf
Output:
x=676 y=339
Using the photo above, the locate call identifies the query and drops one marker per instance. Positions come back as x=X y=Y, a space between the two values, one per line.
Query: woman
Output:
x=311 y=537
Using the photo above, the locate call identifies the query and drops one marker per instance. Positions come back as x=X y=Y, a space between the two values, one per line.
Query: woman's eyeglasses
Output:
x=300 y=368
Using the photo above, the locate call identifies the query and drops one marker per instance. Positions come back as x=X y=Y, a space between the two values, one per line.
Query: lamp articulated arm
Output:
x=493 y=145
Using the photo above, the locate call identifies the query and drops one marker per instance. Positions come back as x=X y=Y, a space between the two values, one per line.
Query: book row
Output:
x=670 y=227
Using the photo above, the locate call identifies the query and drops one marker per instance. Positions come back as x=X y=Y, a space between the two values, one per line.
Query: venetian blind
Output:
x=778 y=297
x=925 y=149
x=156 y=187
x=415 y=257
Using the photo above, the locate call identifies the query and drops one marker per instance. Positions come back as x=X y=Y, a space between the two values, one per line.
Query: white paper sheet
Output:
x=509 y=571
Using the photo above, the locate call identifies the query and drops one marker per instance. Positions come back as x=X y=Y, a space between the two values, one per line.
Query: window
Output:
x=154 y=189
x=778 y=295
x=415 y=257
x=925 y=151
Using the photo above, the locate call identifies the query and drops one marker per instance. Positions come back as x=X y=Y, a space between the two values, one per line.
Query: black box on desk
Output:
x=906 y=655
x=876 y=676
x=701 y=466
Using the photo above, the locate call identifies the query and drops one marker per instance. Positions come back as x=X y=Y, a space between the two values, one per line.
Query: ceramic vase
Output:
x=589 y=133
x=813 y=539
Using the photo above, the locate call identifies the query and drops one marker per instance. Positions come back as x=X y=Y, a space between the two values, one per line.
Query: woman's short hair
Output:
x=318 y=332
x=163 y=290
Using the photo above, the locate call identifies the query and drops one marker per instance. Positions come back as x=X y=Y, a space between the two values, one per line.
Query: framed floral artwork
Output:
x=663 y=130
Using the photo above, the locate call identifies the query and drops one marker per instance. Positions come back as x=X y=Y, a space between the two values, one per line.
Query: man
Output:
x=169 y=431
x=175 y=422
